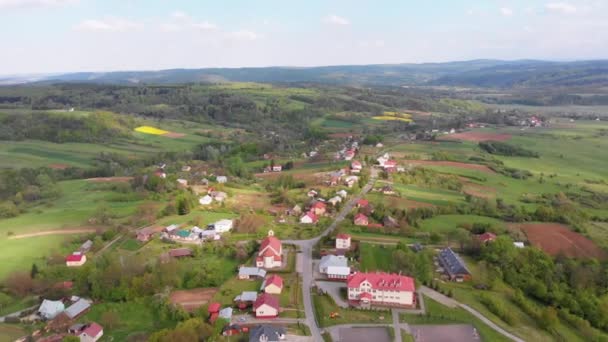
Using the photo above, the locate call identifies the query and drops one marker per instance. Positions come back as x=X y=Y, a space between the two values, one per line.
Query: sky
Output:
x=55 y=36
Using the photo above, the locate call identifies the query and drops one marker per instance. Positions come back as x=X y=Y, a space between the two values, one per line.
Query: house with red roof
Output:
x=486 y=237
x=362 y=203
x=381 y=289
x=390 y=165
x=266 y=306
x=87 y=333
x=270 y=254
x=318 y=208
x=214 y=311
x=273 y=284
x=309 y=218
x=75 y=259
x=356 y=167
x=361 y=220
x=343 y=241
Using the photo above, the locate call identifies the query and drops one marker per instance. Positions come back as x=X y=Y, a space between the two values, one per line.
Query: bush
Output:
x=504 y=149
x=498 y=309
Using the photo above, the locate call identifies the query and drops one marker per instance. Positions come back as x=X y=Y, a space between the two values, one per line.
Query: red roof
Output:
x=267 y=299
x=382 y=281
x=74 y=257
x=360 y=216
x=486 y=237
x=343 y=236
x=92 y=330
x=312 y=216
x=180 y=252
x=318 y=205
x=214 y=307
x=355 y=164
x=390 y=163
x=270 y=241
x=274 y=280
x=362 y=202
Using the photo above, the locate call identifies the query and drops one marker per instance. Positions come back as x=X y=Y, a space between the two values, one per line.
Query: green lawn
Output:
x=375 y=257
x=11 y=332
x=324 y=306
x=448 y=223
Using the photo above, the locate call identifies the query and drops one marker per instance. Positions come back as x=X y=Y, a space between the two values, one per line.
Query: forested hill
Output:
x=477 y=73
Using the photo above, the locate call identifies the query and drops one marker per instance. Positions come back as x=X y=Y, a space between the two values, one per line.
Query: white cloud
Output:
x=561 y=7
x=179 y=15
x=204 y=25
x=15 y=4
x=336 y=20
x=507 y=12
x=108 y=25
x=244 y=35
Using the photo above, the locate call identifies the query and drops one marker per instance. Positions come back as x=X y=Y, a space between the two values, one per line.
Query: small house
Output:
x=361 y=220
x=312 y=193
x=223 y=226
x=226 y=313
x=182 y=182
x=186 y=168
x=318 y=208
x=351 y=180
x=251 y=273
x=77 y=309
x=267 y=333
x=273 y=284
x=309 y=218
x=335 y=267
x=519 y=244
x=49 y=309
x=270 y=254
x=218 y=196
x=387 y=190
x=86 y=246
x=87 y=332
x=266 y=306
x=356 y=167
x=246 y=299
x=144 y=234
x=362 y=203
x=342 y=193
x=205 y=200
x=343 y=241
x=233 y=330
x=221 y=179
x=295 y=211
x=277 y=168
x=454 y=266
x=486 y=237
x=172 y=229
x=75 y=259
x=335 y=200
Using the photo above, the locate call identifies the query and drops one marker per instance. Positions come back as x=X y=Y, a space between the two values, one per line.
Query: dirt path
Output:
x=54 y=232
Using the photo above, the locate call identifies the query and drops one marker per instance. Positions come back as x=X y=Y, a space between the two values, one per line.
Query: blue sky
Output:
x=103 y=35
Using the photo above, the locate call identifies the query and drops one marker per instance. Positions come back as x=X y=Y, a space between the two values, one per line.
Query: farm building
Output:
x=335 y=267
x=309 y=218
x=49 y=309
x=343 y=241
x=273 y=284
x=80 y=307
x=454 y=266
x=335 y=200
x=361 y=220
x=76 y=259
x=226 y=313
x=486 y=237
x=266 y=333
x=246 y=299
x=251 y=273
x=87 y=332
x=383 y=289
x=223 y=226
x=266 y=306
x=172 y=229
x=350 y=181
x=86 y=246
x=270 y=254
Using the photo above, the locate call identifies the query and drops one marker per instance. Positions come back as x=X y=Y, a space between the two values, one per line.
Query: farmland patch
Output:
x=191 y=300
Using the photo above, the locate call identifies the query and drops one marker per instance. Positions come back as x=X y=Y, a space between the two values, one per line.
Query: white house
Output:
x=270 y=254
x=91 y=333
x=351 y=180
x=205 y=200
x=221 y=179
x=277 y=168
x=343 y=241
x=223 y=226
x=335 y=267
x=342 y=193
x=266 y=306
x=76 y=259
x=50 y=308
x=519 y=244
x=335 y=200
x=309 y=218
x=380 y=289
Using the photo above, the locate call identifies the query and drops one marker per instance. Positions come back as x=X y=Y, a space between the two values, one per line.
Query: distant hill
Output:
x=476 y=73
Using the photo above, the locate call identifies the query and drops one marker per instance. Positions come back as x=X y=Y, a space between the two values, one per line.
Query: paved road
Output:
x=333 y=289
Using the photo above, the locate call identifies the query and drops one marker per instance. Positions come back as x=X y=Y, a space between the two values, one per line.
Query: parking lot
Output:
x=367 y=334
x=445 y=333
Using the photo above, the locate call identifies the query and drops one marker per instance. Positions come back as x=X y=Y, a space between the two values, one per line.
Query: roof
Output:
x=382 y=281
x=487 y=236
x=333 y=261
x=362 y=202
x=50 y=308
x=343 y=236
x=74 y=257
x=226 y=313
x=312 y=216
x=180 y=252
x=252 y=271
x=452 y=262
x=214 y=307
x=390 y=163
x=266 y=299
x=318 y=205
x=77 y=308
x=246 y=296
x=360 y=216
x=272 y=242
x=273 y=280
x=87 y=245
x=267 y=333
x=92 y=329
x=183 y=233
x=355 y=163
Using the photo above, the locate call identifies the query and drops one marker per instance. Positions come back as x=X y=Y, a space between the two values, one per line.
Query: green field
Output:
x=447 y=223
x=375 y=257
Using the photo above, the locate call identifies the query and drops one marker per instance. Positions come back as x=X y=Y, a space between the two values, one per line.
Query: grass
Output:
x=11 y=332
x=150 y=130
x=375 y=257
x=324 y=306
x=448 y=223
x=233 y=287
x=130 y=245
x=135 y=317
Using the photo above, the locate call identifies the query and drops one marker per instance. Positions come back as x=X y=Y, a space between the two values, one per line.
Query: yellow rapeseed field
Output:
x=150 y=130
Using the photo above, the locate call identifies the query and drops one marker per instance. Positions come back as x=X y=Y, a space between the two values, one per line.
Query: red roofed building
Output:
x=91 y=333
x=361 y=220
x=362 y=203
x=266 y=306
x=214 y=309
x=383 y=289
x=180 y=253
x=318 y=208
x=273 y=284
x=343 y=241
x=309 y=218
x=356 y=167
x=390 y=165
x=486 y=237
x=75 y=260
x=270 y=254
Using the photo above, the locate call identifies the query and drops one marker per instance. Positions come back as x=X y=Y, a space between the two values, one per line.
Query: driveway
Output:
x=333 y=289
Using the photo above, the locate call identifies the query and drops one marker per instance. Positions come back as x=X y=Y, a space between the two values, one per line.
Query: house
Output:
x=80 y=307
x=221 y=179
x=312 y=193
x=379 y=145
x=361 y=220
x=335 y=200
x=387 y=190
x=223 y=226
x=277 y=168
x=180 y=253
x=86 y=246
x=87 y=332
x=226 y=313
x=266 y=306
x=272 y=284
x=245 y=299
x=519 y=244
x=383 y=289
x=75 y=259
x=454 y=266
x=295 y=211
x=218 y=196
x=486 y=237
x=144 y=234
x=362 y=203
x=251 y=272
x=390 y=165
x=309 y=218
x=342 y=193
x=267 y=333
x=351 y=180
x=214 y=311
x=205 y=200
x=172 y=229
x=335 y=267
x=160 y=174
x=49 y=309
x=318 y=208
x=343 y=241
x=349 y=155
x=182 y=182
x=356 y=167
x=270 y=254
x=186 y=168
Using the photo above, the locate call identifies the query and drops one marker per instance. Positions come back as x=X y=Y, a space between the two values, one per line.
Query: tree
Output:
x=34 y=271
x=183 y=206
x=20 y=283
x=102 y=214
